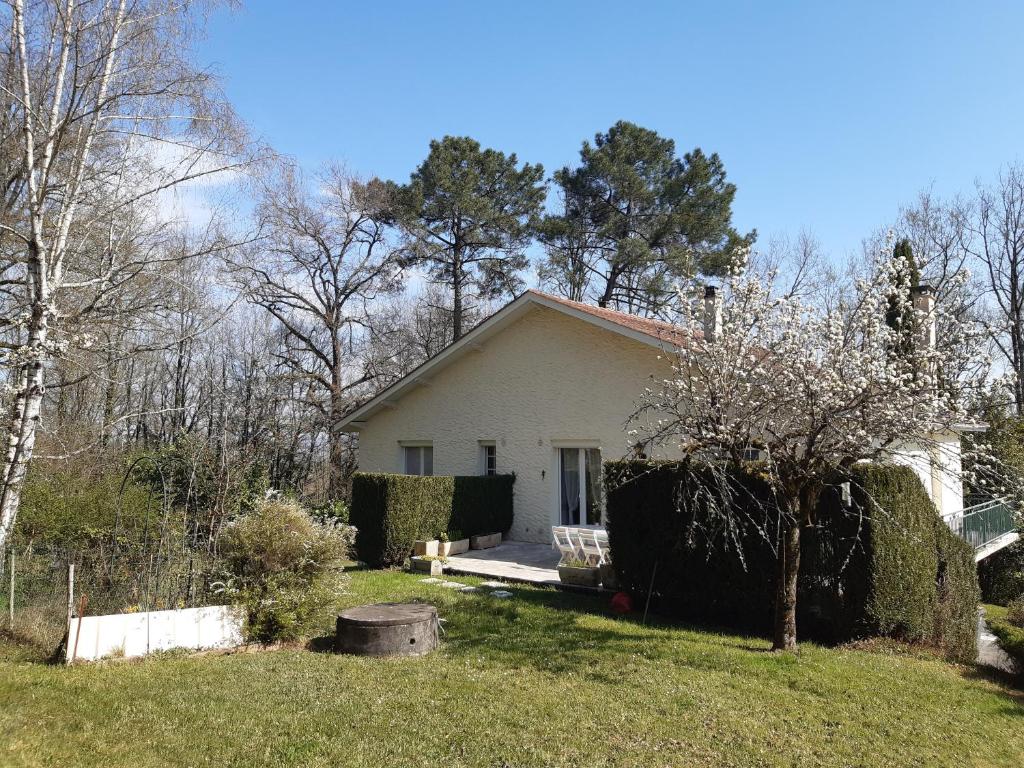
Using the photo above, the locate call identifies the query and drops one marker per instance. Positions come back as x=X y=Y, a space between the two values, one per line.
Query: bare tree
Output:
x=325 y=260
x=110 y=112
x=998 y=244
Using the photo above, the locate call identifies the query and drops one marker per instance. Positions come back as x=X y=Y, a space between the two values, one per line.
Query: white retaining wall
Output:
x=136 y=634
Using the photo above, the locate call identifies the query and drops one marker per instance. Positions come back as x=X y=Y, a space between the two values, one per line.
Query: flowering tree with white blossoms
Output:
x=815 y=385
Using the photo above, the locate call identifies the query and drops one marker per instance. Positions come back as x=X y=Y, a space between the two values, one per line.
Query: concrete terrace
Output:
x=510 y=561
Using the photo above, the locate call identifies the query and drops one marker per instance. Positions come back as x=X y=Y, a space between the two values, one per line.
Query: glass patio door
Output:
x=579 y=480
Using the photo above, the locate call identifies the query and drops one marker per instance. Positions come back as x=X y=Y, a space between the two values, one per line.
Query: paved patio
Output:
x=510 y=560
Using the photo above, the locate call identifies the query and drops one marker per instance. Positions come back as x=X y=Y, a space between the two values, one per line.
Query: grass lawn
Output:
x=1011 y=637
x=545 y=678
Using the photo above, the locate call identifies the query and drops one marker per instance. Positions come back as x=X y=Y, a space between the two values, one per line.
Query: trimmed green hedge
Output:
x=391 y=512
x=956 y=615
x=885 y=566
x=662 y=530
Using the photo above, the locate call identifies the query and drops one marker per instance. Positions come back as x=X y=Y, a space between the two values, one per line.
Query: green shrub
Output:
x=887 y=565
x=1015 y=612
x=665 y=535
x=391 y=512
x=1010 y=635
x=956 y=616
x=901 y=555
x=1001 y=575
x=285 y=570
x=76 y=507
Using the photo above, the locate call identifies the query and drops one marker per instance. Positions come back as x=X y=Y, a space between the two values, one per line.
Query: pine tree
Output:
x=469 y=215
x=900 y=314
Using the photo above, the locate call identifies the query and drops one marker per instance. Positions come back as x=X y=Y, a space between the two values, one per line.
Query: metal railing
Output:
x=981 y=524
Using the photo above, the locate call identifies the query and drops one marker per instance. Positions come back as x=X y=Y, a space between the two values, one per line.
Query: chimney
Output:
x=923 y=297
x=712 y=314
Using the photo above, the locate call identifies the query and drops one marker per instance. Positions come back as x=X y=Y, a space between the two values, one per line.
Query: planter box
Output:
x=433 y=567
x=608 y=580
x=579 y=577
x=457 y=547
x=485 y=541
x=421 y=548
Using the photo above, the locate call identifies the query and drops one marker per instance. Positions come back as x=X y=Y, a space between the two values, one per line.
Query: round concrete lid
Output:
x=389 y=614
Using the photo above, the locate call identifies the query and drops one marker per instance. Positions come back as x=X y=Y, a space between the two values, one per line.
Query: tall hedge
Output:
x=391 y=512
x=885 y=565
x=663 y=531
x=956 y=615
x=901 y=556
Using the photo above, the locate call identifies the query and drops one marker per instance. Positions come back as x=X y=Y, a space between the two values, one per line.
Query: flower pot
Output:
x=579 y=577
x=459 y=546
x=485 y=541
x=424 y=565
x=425 y=548
x=608 y=580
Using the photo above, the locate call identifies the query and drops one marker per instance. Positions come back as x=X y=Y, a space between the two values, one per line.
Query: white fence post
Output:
x=71 y=609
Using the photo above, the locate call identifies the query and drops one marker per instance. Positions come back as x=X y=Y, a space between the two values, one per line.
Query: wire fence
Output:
x=36 y=592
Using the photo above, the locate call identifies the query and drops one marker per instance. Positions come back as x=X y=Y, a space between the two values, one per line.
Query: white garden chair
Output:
x=593 y=545
x=563 y=540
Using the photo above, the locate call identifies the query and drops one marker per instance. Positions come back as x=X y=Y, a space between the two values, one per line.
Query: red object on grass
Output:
x=622 y=603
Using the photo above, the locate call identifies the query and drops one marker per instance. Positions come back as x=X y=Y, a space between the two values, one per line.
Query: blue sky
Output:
x=827 y=115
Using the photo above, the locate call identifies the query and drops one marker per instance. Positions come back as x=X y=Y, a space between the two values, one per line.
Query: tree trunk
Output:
x=785 y=589
x=457 y=298
x=336 y=452
x=21 y=433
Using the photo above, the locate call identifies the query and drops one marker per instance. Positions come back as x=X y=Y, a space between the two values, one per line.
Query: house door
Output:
x=579 y=481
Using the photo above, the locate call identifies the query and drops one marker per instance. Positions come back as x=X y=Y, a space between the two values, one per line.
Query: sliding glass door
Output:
x=579 y=481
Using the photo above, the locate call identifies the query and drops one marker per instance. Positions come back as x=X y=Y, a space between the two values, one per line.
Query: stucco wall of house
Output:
x=546 y=381
x=937 y=464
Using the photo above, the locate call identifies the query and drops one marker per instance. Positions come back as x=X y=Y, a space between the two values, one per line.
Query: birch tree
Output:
x=103 y=111
x=815 y=385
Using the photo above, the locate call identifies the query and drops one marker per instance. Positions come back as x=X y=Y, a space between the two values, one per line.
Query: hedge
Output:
x=661 y=531
x=885 y=566
x=956 y=617
x=390 y=512
x=1002 y=575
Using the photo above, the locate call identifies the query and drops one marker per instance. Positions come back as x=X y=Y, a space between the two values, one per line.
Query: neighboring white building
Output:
x=543 y=389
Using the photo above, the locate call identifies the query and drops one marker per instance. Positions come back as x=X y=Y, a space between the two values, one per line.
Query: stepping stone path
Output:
x=496 y=587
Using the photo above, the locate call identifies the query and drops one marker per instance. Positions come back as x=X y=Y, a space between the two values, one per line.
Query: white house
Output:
x=544 y=389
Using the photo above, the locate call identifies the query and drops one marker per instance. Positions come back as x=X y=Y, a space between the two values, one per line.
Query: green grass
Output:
x=1011 y=638
x=545 y=678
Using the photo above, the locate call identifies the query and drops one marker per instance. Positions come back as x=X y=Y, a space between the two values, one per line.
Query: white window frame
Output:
x=487 y=446
x=556 y=473
x=418 y=446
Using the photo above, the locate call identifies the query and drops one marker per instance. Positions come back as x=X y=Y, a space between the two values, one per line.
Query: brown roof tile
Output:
x=659 y=329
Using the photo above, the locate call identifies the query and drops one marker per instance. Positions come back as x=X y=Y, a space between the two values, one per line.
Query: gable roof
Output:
x=655 y=333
